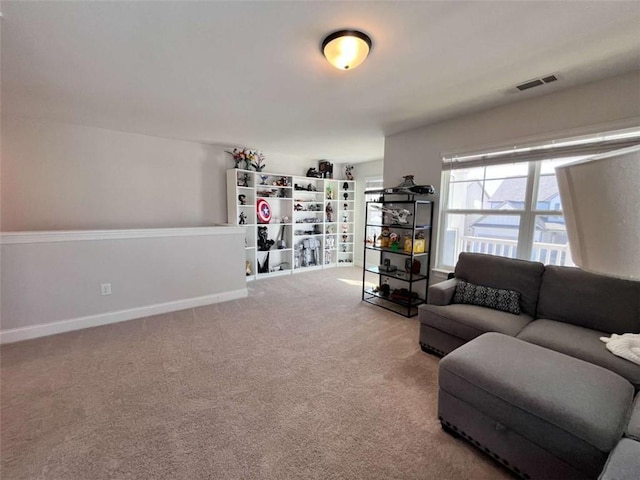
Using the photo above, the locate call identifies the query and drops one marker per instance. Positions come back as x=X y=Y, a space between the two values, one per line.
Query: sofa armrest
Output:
x=442 y=293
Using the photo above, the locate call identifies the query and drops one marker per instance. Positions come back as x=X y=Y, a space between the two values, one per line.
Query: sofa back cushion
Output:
x=607 y=304
x=505 y=273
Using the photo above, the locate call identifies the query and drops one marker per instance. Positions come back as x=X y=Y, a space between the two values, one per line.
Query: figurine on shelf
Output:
x=408 y=243
x=243 y=181
x=242 y=199
x=394 y=241
x=384 y=237
x=398 y=216
x=325 y=168
x=345 y=217
x=348 y=172
x=345 y=195
x=419 y=244
x=263 y=179
x=345 y=206
x=329 y=212
x=247 y=267
x=264 y=243
x=264 y=268
x=329 y=192
x=312 y=172
x=329 y=243
x=243 y=219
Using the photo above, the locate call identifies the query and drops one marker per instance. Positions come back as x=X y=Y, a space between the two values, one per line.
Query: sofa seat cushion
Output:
x=624 y=462
x=469 y=321
x=633 y=427
x=529 y=390
x=579 y=342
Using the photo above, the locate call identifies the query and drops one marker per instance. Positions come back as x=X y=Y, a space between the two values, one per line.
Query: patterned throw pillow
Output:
x=496 y=298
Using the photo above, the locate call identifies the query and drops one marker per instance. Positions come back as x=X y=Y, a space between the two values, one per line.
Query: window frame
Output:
x=526 y=216
x=534 y=154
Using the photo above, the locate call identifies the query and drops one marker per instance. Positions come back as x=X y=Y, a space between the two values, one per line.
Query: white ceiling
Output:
x=251 y=73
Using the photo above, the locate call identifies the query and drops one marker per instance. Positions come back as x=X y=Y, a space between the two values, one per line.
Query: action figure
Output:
x=329 y=211
x=348 y=172
x=264 y=243
x=329 y=192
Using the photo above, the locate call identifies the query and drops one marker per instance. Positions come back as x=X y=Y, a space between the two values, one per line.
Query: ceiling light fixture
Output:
x=346 y=49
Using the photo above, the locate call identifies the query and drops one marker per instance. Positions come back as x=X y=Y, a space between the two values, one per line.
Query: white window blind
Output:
x=565 y=148
x=372 y=183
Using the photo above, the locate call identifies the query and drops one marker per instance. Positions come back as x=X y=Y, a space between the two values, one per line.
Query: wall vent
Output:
x=536 y=82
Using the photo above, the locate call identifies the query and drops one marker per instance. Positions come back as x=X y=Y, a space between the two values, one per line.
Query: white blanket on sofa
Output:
x=626 y=346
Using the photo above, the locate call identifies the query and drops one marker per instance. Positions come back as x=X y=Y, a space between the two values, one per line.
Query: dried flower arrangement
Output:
x=243 y=157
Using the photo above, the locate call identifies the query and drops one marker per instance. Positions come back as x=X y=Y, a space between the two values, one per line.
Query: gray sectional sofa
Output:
x=525 y=376
x=562 y=308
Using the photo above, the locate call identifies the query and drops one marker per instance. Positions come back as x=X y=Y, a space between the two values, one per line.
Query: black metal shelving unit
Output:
x=408 y=283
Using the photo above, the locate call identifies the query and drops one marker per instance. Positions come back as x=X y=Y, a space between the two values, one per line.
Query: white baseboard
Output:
x=34 y=331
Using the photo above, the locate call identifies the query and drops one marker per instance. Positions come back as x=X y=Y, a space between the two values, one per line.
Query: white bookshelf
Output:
x=311 y=225
x=346 y=222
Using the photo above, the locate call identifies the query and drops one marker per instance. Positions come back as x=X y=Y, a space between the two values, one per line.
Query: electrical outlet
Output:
x=105 y=289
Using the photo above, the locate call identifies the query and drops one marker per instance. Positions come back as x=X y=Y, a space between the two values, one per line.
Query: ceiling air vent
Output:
x=537 y=82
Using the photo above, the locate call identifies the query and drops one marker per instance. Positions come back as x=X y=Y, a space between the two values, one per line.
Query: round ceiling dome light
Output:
x=346 y=49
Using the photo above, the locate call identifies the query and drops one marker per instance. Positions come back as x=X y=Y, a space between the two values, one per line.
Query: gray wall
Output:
x=69 y=177
x=51 y=282
x=607 y=104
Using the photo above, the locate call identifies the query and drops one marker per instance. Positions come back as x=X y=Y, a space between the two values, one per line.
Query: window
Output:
x=372 y=183
x=507 y=202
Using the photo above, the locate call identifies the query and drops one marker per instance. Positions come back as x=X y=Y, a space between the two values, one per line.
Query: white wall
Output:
x=61 y=176
x=614 y=102
x=51 y=281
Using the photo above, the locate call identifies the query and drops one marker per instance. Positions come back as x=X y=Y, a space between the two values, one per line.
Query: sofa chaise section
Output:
x=517 y=402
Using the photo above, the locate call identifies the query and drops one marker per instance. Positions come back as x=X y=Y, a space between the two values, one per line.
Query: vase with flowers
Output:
x=258 y=162
x=242 y=157
x=245 y=158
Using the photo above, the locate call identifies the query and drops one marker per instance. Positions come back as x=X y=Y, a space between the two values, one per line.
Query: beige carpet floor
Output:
x=301 y=380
